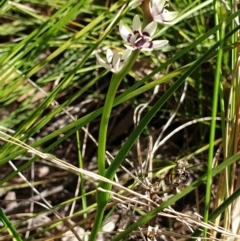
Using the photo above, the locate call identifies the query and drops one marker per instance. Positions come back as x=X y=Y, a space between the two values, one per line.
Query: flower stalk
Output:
x=103 y=197
x=146 y=12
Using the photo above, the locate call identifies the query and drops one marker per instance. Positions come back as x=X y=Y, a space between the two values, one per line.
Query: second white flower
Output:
x=138 y=39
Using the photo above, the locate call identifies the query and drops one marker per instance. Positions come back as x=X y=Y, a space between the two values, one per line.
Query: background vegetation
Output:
x=173 y=136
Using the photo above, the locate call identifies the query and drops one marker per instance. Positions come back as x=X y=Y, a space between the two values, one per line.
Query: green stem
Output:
x=108 y=105
x=102 y=138
x=103 y=197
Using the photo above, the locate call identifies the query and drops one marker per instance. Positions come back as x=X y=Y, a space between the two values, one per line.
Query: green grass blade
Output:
x=213 y=126
x=10 y=227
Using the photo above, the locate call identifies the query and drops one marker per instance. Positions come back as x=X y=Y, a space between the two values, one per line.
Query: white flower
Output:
x=115 y=61
x=159 y=13
x=135 y=3
x=139 y=39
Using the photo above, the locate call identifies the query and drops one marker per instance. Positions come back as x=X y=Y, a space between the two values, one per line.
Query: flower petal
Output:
x=109 y=55
x=169 y=16
x=102 y=62
x=158 y=5
x=157 y=44
x=99 y=59
x=154 y=10
x=126 y=54
x=147 y=49
x=159 y=13
x=125 y=32
x=136 y=25
x=148 y=46
x=116 y=61
x=150 y=28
